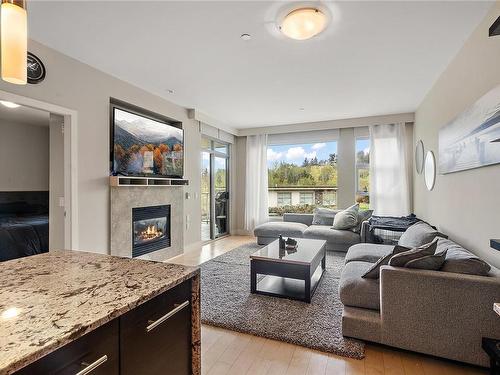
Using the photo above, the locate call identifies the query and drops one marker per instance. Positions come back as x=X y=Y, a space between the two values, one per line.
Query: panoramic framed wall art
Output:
x=472 y=140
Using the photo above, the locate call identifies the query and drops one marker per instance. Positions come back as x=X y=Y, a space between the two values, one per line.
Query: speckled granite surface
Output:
x=51 y=299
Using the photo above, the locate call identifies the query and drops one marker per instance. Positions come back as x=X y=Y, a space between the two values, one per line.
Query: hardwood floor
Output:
x=228 y=352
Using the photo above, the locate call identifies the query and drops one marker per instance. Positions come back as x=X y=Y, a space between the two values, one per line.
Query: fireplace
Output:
x=150 y=229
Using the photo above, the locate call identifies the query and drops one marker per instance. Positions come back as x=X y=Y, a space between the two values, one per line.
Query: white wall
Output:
x=72 y=84
x=464 y=204
x=24 y=157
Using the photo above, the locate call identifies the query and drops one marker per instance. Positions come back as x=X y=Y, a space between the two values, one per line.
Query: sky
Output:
x=296 y=154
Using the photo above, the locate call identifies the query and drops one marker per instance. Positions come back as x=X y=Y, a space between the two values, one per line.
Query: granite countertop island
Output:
x=51 y=299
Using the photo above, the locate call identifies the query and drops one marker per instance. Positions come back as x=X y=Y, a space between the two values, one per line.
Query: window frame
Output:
x=360 y=166
x=279 y=196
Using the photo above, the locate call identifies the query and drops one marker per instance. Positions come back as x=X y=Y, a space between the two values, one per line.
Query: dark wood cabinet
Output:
x=95 y=353
x=155 y=338
x=152 y=339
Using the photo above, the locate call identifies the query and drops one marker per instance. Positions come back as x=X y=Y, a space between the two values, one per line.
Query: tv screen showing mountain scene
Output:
x=145 y=147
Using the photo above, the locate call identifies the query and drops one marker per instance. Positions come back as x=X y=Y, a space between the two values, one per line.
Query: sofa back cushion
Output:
x=323 y=216
x=459 y=260
x=346 y=219
x=401 y=259
x=417 y=235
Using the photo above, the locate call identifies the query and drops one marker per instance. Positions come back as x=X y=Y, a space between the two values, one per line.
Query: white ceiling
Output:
x=24 y=115
x=375 y=58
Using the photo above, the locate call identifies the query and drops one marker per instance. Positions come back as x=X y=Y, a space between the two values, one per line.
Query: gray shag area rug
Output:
x=226 y=302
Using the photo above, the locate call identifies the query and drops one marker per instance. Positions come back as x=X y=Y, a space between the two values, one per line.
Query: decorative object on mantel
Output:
x=430 y=170
x=116 y=181
x=419 y=157
x=495 y=28
x=471 y=139
x=14 y=41
x=36 y=69
x=495 y=244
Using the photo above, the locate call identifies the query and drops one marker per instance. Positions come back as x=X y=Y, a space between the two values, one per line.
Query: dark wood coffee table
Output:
x=291 y=274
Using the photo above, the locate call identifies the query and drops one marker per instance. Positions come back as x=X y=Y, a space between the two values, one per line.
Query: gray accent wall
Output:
x=24 y=155
x=464 y=205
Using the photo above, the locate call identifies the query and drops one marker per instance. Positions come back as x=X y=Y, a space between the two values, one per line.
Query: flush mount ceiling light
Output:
x=14 y=41
x=303 y=23
x=9 y=104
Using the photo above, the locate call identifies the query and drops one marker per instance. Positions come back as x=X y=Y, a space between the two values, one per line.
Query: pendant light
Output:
x=14 y=41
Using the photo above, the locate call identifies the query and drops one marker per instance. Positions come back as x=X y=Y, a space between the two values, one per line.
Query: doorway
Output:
x=63 y=170
x=214 y=189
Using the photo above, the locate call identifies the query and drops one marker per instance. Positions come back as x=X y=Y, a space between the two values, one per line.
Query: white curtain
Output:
x=256 y=196
x=389 y=170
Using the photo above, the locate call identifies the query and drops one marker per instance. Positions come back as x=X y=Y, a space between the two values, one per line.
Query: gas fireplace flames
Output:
x=150 y=233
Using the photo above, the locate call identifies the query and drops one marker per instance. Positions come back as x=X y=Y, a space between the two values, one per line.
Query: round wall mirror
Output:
x=419 y=157
x=430 y=170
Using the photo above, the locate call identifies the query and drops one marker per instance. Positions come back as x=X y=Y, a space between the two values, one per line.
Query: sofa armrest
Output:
x=439 y=313
x=298 y=218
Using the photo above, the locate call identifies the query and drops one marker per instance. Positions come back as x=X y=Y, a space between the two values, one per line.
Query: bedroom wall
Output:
x=462 y=204
x=56 y=183
x=72 y=84
x=24 y=152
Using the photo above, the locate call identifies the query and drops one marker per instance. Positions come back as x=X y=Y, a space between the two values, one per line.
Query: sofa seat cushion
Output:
x=325 y=232
x=367 y=252
x=356 y=291
x=274 y=229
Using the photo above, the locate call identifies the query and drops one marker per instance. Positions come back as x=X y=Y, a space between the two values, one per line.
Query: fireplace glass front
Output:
x=150 y=229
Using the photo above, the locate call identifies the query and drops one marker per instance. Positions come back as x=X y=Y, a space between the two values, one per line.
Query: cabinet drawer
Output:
x=155 y=337
x=95 y=352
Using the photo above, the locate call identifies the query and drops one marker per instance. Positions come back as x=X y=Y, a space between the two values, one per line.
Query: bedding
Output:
x=23 y=235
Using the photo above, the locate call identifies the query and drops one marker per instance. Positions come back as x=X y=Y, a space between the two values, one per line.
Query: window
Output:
x=302 y=177
x=214 y=189
x=363 y=172
x=284 y=198
x=306 y=197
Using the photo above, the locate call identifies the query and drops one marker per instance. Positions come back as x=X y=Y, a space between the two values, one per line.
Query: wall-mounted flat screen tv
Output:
x=143 y=146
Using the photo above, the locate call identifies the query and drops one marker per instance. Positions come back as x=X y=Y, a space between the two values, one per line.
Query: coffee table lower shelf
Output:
x=284 y=287
x=290 y=281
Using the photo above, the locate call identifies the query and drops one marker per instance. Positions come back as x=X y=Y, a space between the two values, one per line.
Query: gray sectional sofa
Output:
x=445 y=314
x=300 y=226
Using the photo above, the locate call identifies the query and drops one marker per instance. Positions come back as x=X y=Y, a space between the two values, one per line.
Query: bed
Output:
x=24 y=226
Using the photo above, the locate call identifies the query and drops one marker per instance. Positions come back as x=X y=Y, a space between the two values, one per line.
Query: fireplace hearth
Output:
x=150 y=229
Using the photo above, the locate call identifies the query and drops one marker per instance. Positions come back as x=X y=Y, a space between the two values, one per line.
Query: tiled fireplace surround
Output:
x=124 y=198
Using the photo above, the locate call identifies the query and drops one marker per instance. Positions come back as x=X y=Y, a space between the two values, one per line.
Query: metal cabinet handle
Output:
x=153 y=324
x=92 y=366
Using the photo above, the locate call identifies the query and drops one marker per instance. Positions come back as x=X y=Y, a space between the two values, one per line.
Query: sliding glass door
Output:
x=214 y=189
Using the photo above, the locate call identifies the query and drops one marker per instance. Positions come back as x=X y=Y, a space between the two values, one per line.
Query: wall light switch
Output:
x=61 y=201
x=188 y=195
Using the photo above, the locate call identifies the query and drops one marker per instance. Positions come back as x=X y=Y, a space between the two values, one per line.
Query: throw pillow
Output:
x=363 y=215
x=459 y=260
x=429 y=262
x=399 y=260
x=418 y=234
x=374 y=271
x=323 y=216
x=347 y=218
